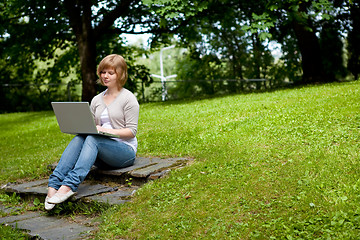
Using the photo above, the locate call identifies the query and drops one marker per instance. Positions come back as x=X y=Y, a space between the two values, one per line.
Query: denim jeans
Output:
x=83 y=152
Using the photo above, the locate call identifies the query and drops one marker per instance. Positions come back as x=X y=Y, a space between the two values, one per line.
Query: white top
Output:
x=105 y=122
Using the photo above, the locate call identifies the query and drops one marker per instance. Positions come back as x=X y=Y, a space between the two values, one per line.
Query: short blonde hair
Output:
x=118 y=64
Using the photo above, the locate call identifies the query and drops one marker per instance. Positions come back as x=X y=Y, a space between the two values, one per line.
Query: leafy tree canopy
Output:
x=32 y=30
x=236 y=33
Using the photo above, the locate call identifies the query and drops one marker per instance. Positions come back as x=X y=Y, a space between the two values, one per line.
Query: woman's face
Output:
x=109 y=77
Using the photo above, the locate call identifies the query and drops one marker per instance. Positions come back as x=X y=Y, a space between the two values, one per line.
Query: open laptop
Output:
x=76 y=118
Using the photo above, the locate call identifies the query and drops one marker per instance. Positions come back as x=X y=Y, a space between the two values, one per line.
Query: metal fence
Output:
x=242 y=85
x=158 y=89
x=21 y=85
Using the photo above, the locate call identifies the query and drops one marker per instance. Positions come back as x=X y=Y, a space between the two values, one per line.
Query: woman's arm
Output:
x=123 y=133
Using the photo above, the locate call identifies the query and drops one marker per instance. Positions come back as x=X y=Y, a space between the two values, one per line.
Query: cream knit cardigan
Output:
x=123 y=111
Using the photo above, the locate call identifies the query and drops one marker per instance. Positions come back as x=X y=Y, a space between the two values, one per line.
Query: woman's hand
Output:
x=102 y=129
x=122 y=133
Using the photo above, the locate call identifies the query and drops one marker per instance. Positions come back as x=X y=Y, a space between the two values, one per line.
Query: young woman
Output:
x=115 y=111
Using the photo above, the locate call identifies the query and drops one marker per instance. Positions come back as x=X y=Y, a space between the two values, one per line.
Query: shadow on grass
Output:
x=11 y=119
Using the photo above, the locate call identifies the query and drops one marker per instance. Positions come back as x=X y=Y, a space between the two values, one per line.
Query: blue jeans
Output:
x=83 y=152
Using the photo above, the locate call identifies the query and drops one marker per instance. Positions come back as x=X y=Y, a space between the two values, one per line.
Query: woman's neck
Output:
x=113 y=91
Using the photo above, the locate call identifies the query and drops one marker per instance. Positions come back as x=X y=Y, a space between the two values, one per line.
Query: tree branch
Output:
x=74 y=14
x=120 y=10
x=120 y=31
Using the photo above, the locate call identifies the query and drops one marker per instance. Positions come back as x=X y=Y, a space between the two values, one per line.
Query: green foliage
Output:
x=34 y=32
x=235 y=32
x=7 y=232
x=289 y=66
x=223 y=33
x=261 y=24
x=207 y=75
x=15 y=205
x=32 y=87
x=78 y=208
x=172 y=8
x=196 y=82
x=332 y=52
x=30 y=36
x=353 y=47
x=13 y=199
x=129 y=182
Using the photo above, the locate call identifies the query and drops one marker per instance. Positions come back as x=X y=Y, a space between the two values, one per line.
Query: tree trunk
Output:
x=256 y=53
x=353 y=42
x=310 y=50
x=87 y=53
x=79 y=12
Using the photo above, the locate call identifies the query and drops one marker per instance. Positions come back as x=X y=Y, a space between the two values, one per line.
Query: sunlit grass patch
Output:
x=29 y=142
x=282 y=164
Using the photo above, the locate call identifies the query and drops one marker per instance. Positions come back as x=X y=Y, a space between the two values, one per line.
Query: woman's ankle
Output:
x=64 y=189
x=51 y=192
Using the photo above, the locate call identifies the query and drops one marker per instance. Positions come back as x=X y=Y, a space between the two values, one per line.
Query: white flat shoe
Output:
x=59 y=197
x=48 y=206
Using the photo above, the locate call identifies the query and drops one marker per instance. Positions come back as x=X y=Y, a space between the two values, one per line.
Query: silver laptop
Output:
x=76 y=118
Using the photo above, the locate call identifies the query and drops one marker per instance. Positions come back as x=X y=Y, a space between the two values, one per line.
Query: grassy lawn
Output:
x=29 y=142
x=277 y=165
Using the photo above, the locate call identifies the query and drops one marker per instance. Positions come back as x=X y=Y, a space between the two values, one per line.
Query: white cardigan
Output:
x=123 y=111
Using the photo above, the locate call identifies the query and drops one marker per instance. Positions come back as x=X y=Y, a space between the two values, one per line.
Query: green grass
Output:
x=7 y=232
x=29 y=142
x=279 y=165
